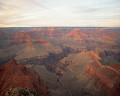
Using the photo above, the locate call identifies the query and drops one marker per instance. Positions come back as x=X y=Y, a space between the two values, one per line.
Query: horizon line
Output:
x=61 y=26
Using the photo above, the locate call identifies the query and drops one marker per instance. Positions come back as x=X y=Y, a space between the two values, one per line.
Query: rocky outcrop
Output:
x=21 y=37
x=41 y=41
x=116 y=89
x=17 y=75
x=46 y=32
x=107 y=76
x=76 y=34
x=86 y=69
x=105 y=33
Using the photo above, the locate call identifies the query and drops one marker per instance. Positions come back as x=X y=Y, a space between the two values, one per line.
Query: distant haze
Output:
x=37 y=13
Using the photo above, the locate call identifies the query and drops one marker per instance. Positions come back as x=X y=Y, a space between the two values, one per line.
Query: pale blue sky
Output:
x=59 y=13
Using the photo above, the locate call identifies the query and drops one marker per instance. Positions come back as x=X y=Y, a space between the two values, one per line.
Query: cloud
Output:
x=58 y=12
x=15 y=10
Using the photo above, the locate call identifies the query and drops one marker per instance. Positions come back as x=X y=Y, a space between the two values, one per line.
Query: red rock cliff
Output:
x=17 y=75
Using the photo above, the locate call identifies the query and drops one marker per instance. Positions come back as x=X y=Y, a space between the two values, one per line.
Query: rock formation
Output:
x=76 y=34
x=17 y=75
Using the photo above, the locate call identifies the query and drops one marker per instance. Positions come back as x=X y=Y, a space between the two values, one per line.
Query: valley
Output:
x=73 y=61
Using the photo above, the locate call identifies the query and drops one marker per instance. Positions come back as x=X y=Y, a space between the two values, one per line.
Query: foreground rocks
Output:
x=18 y=91
x=17 y=75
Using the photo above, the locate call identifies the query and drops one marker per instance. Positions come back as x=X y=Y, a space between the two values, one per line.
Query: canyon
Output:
x=73 y=61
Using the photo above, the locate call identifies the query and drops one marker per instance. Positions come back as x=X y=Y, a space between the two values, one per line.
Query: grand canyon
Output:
x=60 y=61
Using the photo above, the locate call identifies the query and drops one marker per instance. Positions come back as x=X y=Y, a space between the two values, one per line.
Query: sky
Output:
x=41 y=13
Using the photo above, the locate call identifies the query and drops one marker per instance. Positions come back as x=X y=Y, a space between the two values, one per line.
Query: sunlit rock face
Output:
x=76 y=34
x=16 y=75
x=41 y=41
